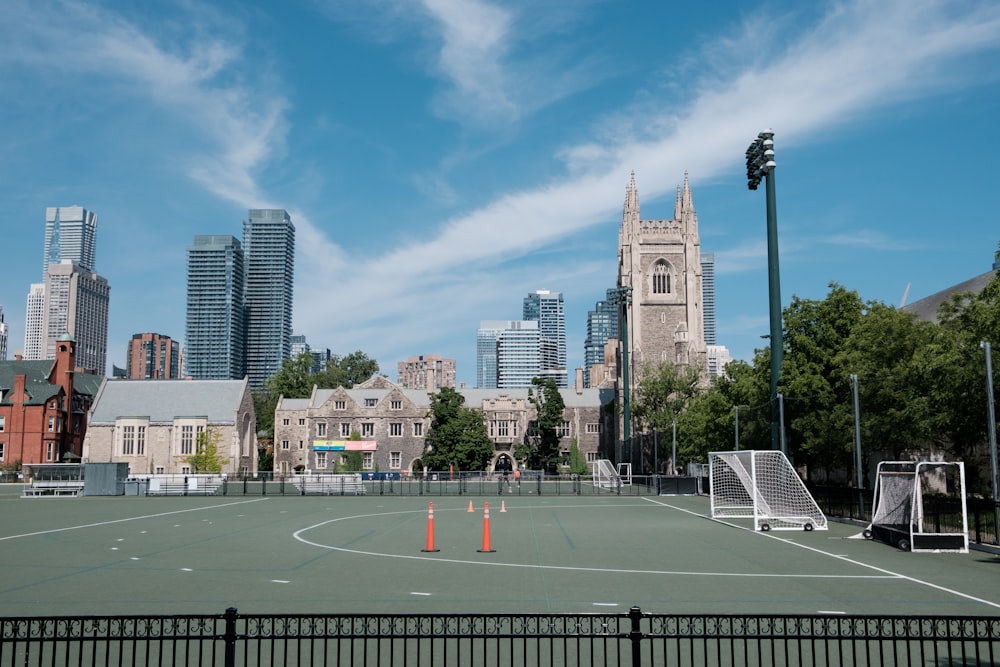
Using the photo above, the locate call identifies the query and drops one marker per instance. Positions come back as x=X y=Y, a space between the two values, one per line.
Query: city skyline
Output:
x=440 y=160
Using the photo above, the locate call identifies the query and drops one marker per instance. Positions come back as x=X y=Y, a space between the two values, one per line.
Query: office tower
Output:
x=70 y=242
x=152 y=356
x=34 y=323
x=70 y=234
x=708 y=296
x=76 y=303
x=3 y=337
x=547 y=308
x=602 y=325
x=717 y=357
x=508 y=354
x=320 y=357
x=269 y=251
x=429 y=372
x=215 y=333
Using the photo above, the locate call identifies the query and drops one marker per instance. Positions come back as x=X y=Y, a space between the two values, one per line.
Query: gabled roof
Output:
x=163 y=401
x=927 y=308
x=36 y=380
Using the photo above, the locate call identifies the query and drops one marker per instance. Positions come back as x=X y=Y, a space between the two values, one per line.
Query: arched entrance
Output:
x=503 y=464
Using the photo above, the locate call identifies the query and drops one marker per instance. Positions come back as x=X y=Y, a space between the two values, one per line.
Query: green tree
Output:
x=549 y=407
x=577 y=462
x=295 y=379
x=347 y=371
x=206 y=457
x=457 y=435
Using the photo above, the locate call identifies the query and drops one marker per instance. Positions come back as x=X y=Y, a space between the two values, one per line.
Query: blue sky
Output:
x=442 y=159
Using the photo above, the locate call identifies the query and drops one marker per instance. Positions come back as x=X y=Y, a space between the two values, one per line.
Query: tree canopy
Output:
x=457 y=436
x=543 y=449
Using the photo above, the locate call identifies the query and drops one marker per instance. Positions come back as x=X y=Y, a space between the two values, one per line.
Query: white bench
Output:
x=53 y=487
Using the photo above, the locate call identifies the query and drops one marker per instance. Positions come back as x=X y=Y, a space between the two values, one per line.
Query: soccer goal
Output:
x=605 y=475
x=761 y=485
x=920 y=506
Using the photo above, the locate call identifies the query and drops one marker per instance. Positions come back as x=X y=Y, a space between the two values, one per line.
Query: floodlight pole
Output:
x=859 y=474
x=623 y=297
x=736 y=424
x=991 y=415
x=760 y=165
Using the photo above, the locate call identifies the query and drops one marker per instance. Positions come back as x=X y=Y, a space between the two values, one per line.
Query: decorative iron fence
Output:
x=632 y=638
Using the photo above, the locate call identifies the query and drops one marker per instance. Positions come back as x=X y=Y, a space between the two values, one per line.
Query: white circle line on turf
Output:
x=131 y=518
x=298 y=535
x=889 y=573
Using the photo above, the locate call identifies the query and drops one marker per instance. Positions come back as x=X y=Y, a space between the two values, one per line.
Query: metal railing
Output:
x=630 y=638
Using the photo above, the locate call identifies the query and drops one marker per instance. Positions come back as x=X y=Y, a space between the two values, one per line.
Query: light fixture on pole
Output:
x=760 y=166
x=991 y=416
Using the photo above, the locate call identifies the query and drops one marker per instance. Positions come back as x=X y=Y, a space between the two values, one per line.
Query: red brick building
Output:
x=153 y=356
x=43 y=407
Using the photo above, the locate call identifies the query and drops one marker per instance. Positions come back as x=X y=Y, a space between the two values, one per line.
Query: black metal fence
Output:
x=631 y=638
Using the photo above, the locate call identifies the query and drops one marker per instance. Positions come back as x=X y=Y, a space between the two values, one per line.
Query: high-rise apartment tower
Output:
x=215 y=333
x=547 y=308
x=269 y=251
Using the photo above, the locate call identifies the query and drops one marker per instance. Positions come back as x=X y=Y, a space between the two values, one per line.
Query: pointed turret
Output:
x=632 y=197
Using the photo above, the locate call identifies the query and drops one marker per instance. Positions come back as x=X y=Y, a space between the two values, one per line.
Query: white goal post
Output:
x=903 y=491
x=761 y=485
x=605 y=475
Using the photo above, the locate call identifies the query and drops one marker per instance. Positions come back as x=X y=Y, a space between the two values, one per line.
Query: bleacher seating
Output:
x=330 y=485
x=53 y=487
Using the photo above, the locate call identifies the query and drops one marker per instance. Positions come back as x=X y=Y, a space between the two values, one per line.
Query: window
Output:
x=284 y=444
x=591 y=457
x=159 y=470
x=369 y=460
x=284 y=467
x=321 y=429
x=367 y=429
x=320 y=459
x=339 y=405
x=128 y=440
x=52 y=424
x=418 y=429
x=185 y=470
x=1 y=451
x=661 y=278
x=284 y=422
x=50 y=449
x=187 y=439
x=395 y=460
x=3 y=423
x=140 y=441
x=395 y=429
x=300 y=444
x=563 y=431
x=302 y=422
x=345 y=429
x=396 y=405
x=371 y=402
x=594 y=427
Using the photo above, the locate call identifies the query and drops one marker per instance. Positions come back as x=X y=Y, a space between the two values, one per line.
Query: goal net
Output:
x=605 y=475
x=920 y=506
x=761 y=485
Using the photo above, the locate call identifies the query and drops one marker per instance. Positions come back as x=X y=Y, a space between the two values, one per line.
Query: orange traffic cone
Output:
x=470 y=507
x=486 y=530
x=430 y=529
x=503 y=505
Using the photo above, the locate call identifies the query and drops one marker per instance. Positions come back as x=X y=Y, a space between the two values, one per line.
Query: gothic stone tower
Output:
x=661 y=261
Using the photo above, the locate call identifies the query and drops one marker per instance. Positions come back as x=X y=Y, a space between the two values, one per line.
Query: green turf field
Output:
x=137 y=555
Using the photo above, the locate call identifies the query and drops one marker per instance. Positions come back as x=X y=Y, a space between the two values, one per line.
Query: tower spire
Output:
x=632 y=197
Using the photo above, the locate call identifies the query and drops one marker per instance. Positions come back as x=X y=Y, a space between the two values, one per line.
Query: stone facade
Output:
x=398 y=419
x=153 y=424
x=660 y=260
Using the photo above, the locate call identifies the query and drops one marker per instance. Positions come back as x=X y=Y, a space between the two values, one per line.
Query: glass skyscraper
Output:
x=70 y=233
x=547 y=308
x=602 y=325
x=72 y=299
x=708 y=296
x=269 y=250
x=215 y=333
x=508 y=354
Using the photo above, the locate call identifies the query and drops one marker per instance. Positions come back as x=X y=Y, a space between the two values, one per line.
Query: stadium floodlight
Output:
x=760 y=166
x=763 y=486
x=621 y=296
